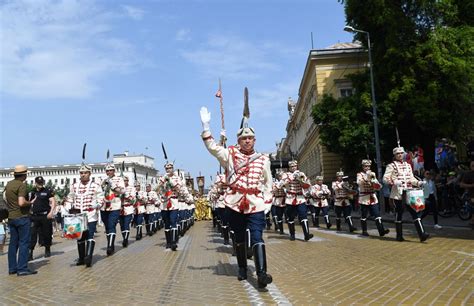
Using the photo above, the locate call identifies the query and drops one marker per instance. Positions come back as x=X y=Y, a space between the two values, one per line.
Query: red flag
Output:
x=219 y=94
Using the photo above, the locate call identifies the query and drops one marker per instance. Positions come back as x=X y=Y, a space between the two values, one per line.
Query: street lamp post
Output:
x=374 y=105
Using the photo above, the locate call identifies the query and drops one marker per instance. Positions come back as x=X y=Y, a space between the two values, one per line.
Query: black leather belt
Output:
x=39 y=213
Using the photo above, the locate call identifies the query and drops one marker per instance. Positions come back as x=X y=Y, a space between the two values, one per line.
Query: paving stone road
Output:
x=333 y=268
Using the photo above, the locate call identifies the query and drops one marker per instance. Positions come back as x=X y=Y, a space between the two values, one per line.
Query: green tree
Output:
x=423 y=55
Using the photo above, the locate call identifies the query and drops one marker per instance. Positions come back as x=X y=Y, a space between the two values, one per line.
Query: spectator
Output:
x=2 y=236
x=438 y=150
x=386 y=195
x=431 y=198
x=467 y=182
x=419 y=160
x=19 y=223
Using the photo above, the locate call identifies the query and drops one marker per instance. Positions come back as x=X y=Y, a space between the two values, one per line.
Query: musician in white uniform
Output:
x=85 y=196
x=399 y=175
x=368 y=185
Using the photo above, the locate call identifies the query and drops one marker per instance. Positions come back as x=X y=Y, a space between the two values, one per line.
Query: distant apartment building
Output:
x=325 y=73
x=60 y=174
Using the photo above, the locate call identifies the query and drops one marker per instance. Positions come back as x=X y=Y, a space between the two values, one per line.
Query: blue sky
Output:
x=128 y=75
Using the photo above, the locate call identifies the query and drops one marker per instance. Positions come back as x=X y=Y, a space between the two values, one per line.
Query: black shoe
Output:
x=11 y=272
x=29 y=272
x=47 y=252
x=30 y=256
x=125 y=243
x=242 y=274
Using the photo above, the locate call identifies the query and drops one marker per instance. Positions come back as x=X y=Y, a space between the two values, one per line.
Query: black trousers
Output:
x=431 y=205
x=41 y=230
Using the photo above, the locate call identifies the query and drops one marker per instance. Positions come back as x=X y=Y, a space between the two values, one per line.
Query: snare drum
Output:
x=74 y=225
x=415 y=199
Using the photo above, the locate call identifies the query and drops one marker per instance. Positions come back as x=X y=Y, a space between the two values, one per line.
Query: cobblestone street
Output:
x=332 y=268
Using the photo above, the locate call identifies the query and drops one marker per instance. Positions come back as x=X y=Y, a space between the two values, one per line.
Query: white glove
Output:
x=398 y=183
x=268 y=207
x=205 y=118
x=223 y=133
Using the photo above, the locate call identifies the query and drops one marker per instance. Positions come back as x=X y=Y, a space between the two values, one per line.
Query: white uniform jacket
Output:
x=85 y=198
x=248 y=177
x=279 y=194
x=319 y=195
x=341 y=194
x=294 y=183
x=170 y=186
x=368 y=185
x=400 y=176
x=140 y=200
x=151 y=199
x=112 y=200
x=128 y=201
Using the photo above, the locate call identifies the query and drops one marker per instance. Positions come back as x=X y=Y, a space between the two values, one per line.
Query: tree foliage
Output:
x=423 y=56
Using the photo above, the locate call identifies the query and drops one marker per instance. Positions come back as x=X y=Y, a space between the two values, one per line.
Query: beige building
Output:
x=325 y=73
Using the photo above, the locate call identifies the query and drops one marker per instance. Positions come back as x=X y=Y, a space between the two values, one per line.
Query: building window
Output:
x=74 y=180
x=55 y=181
x=62 y=181
x=2 y=184
x=345 y=92
x=93 y=179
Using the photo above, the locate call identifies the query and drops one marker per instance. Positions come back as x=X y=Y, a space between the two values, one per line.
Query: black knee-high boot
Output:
x=291 y=227
x=275 y=223
x=338 y=224
x=110 y=244
x=125 y=235
x=421 y=230
x=328 y=224
x=81 y=249
x=280 y=227
x=363 y=225
x=174 y=239
x=315 y=220
x=398 y=228
x=168 y=238
x=89 y=252
x=349 y=223
x=225 y=231
x=241 y=251
x=139 y=232
x=305 y=226
x=382 y=231
x=263 y=278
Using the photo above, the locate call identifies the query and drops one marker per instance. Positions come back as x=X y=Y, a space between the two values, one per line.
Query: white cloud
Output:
x=271 y=101
x=183 y=35
x=58 y=49
x=133 y=12
x=230 y=57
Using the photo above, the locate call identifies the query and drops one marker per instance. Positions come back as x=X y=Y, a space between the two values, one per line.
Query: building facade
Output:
x=325 y=73
x=59 y=175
